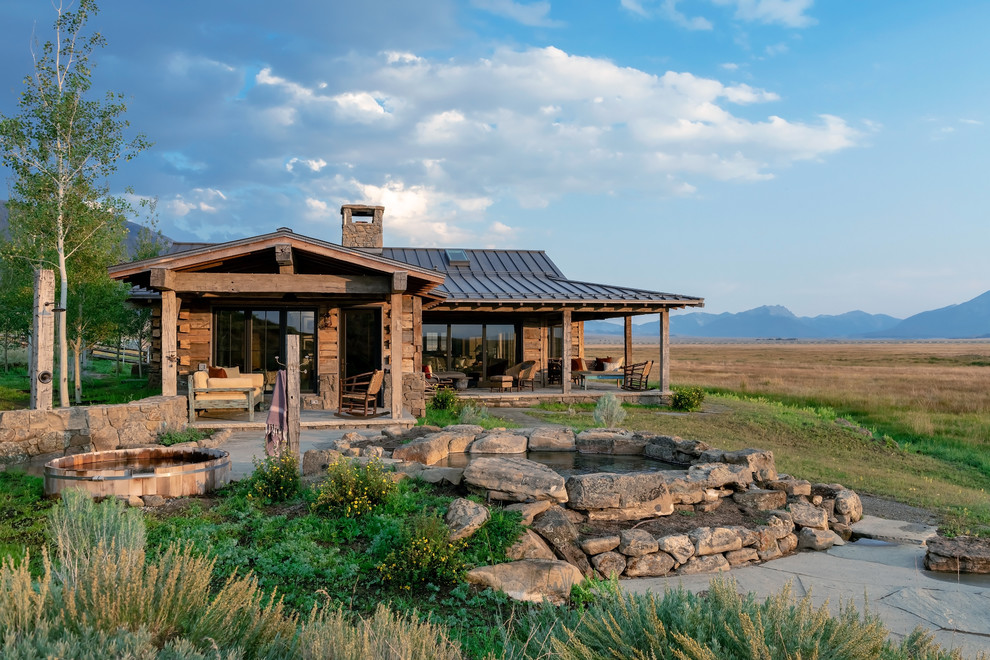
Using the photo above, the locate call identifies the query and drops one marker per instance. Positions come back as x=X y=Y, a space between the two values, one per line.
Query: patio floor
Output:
x=328 y=419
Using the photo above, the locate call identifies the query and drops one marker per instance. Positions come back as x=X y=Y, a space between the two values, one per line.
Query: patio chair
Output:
x=523 y=374
x=435 y=382
x=359 y=393
x=635 y=376
x=555 y=371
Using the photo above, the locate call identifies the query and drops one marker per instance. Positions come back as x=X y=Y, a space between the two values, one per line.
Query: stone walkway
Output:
x=888 y=577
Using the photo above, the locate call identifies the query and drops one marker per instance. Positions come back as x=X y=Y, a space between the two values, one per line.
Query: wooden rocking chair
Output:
x=636 y=376
x=359 y=393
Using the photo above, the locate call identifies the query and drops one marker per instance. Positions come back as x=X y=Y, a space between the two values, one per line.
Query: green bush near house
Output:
x=687 y=399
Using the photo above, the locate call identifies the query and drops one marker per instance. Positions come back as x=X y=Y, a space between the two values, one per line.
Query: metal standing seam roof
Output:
x=518 y=275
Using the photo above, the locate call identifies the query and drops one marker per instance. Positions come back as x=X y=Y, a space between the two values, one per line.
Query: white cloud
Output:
x=729 y=66
x=445 y=140
x=534 y=14
x=670 y=11
x=789 y=13
x=363 y=107
x=314 y=165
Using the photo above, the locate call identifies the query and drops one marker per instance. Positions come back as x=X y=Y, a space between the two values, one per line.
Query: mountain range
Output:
x=966 y=320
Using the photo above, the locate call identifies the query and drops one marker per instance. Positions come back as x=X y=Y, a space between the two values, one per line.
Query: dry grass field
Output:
x=933 y=399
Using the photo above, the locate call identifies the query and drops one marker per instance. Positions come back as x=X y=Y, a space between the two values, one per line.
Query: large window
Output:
x=254 y=340
x=477 y=350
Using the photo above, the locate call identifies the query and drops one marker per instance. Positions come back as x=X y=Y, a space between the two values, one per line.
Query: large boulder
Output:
x=551 y=439
x=847 y=503
x=651 y=565
x=530 y=510
x=720 y=475
x=609 y=441
x=500 y=442
x=759 y=499
x=808 y=515
x=609 y=563
x=706 y=564
x=714 y=540
x=637 y=542
x=678 y=546
x=817 y=539
x=600 y=544
x=316 y=461
x=963 y=554
x=630 y=496
x=530 y=546
x=673 y=449
x=515 y=479
x=533 y=580
x=758 y=460
x=465 y=517
x=562 y=536
x=426 y=450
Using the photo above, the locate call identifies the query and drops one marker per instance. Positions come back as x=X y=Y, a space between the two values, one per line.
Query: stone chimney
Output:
x=362 y=227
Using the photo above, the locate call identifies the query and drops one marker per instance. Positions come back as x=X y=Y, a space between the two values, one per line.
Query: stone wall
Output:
x=28 y=433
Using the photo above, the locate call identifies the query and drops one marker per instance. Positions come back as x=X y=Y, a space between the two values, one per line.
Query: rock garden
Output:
x=693 y=508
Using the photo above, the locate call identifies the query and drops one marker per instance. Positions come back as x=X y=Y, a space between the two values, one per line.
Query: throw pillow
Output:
x=217 y=372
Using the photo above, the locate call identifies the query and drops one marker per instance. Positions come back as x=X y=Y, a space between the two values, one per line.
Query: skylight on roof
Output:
x=457 y=258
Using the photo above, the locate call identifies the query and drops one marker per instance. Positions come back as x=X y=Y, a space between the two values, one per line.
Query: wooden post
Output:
x=43 y=344
x=664 y=351
x=395 y=355
x=292 y=394
x=170 y=357
x=627 y=338
x=565 y=357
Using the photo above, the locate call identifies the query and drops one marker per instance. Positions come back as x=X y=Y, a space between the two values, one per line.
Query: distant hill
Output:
x=967 y=320
x=130 y=243
x=766 y=321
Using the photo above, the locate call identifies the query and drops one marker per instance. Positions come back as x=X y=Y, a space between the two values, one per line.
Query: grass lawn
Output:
x=100 y=385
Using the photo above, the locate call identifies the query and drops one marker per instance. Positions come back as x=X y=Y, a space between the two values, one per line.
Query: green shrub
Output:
x=172 y=436
x=722 y=624
x=80 y=527
x=352 y=490
x=687 y=399
x=445 y=398
x=276 y=478
x=423 y=553
x=608 y=411
x=472 y=414
x=329 y=633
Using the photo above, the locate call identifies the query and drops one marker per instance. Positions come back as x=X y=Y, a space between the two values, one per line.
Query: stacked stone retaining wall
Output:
x=25 y=434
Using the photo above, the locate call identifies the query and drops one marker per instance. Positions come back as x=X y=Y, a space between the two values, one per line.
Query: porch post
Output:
x=627 y=338
x=565 y=356
x=664 y=351
x=170 y=357
x=395 y=354
x=292 y=393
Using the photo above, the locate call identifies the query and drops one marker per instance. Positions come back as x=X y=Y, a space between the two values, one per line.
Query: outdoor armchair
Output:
x=359 y=393
x=635 y=376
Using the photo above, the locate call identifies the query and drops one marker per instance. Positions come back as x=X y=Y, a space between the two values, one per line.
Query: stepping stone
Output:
x=893 y=531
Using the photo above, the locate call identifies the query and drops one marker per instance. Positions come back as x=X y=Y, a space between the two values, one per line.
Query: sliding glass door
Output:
x=477 y=350
x=254 y=340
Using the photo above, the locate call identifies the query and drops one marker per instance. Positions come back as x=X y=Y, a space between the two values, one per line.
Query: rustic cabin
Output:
x=491 y=320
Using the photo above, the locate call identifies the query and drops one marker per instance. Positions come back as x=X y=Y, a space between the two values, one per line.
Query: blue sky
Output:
x=825 y=156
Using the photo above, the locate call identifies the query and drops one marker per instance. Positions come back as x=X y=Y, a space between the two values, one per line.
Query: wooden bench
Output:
x=238 y=393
